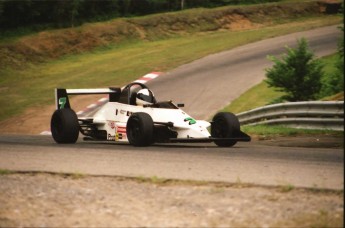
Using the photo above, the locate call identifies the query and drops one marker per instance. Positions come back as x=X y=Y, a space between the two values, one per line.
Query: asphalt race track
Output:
x=244 y=163
x=205 y=86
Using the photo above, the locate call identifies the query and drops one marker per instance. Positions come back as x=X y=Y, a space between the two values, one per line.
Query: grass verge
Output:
x=160 y=181
x=5 y=172
x=278 y=130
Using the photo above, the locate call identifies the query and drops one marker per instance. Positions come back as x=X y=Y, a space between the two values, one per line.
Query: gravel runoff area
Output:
x=76 y=200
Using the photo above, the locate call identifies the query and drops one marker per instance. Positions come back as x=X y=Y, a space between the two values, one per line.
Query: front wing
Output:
x=240 y=137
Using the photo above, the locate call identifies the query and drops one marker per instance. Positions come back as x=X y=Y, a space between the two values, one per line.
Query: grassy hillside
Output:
x=118 y=51
x=56 y=43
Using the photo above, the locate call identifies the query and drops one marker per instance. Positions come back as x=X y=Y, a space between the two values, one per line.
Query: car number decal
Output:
x=191 y=120
x=62 y=102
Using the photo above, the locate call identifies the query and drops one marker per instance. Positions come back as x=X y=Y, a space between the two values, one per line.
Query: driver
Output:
x=145 y=96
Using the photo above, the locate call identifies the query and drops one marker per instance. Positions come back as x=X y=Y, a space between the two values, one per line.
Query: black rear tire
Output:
x=140 y=129
x=64 y=126
x=225 y=125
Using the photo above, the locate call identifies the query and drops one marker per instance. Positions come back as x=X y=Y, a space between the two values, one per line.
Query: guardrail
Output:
x=307 y=114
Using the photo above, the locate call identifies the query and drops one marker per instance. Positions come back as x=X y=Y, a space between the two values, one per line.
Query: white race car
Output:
x=133 y=115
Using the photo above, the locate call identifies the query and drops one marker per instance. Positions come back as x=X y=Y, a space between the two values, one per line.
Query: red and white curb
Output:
x=144 y=79
x=148 y=77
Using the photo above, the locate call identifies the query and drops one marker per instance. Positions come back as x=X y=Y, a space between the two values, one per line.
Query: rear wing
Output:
x=62 y=101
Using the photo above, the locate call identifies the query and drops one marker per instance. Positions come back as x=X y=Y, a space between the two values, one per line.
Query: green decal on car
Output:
x=191 y=120
x=62 y=102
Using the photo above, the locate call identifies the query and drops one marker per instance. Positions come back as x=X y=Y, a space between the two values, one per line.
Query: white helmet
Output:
x=145 y=96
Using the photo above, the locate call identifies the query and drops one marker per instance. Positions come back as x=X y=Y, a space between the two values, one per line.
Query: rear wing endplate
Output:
x=62 y=101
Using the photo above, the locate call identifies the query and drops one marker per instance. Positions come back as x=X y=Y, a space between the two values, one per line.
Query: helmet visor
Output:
x=146 y=98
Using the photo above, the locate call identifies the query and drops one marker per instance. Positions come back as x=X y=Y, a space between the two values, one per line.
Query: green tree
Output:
x=334 y=82
x=297 y=73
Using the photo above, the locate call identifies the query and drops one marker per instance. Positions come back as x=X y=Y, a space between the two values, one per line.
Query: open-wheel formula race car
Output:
x=133 y=115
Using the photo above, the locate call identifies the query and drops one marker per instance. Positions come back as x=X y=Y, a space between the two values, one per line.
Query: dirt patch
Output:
x=84 y=201
x=237 y=22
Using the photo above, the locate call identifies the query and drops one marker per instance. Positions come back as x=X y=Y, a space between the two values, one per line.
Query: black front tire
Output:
x=64 y=126
x=140 y=129
x=225 y=125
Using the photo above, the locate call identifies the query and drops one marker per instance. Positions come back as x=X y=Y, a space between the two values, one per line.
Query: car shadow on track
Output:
x=162 y=145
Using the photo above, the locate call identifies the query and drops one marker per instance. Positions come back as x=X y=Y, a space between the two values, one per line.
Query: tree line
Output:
x=69 y=13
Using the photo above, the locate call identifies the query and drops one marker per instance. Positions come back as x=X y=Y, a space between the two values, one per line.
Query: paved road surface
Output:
x=245 y=163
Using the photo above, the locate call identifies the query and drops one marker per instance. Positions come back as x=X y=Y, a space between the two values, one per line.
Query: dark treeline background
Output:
x=40 y=14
